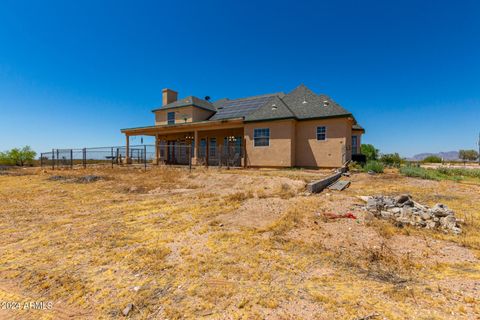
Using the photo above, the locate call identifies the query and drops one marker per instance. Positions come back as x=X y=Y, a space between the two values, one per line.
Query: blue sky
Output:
x=73 y=73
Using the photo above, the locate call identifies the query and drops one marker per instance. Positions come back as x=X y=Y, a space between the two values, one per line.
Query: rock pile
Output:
x=404 y=211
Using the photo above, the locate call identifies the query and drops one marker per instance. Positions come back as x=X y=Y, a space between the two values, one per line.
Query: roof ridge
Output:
x=286 y=105
x=254 y=97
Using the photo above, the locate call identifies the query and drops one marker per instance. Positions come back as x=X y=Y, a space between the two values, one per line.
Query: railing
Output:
x=177 y=153
x=64 y=158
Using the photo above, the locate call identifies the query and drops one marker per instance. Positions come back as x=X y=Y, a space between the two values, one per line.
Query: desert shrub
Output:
x=473 y=173
x=432 y=159
x=419 y=172
x=354 y=166
x=19 y=157
x=5 y=159
x=391 y=159
x=374 y=166
x=369 y=151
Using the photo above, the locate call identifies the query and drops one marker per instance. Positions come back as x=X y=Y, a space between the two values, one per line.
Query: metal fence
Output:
x=217 y=155
x=64 y=158
x=169 y=152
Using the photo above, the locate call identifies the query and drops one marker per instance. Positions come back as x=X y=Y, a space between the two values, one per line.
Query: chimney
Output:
x=168 y=96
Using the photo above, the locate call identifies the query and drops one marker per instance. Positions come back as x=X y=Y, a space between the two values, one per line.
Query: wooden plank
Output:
x=339 y=185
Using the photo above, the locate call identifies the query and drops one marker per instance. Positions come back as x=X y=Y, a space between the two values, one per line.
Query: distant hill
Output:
x=450 y=155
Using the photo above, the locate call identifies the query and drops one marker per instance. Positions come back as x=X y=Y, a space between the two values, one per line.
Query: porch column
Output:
x=157 y=149
x=195 y=148
x=127 y=150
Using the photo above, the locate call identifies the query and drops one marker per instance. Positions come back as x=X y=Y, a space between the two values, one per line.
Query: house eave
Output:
x=200 y=124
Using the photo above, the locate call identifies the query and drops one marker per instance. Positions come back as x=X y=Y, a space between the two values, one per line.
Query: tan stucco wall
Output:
x=191 y=113
x=329 y=153
x=281 y=149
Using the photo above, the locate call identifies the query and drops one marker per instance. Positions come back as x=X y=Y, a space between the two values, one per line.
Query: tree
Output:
x=20 y=157
x=432 y=159
x=5 y=159
x=391 y=159
x=468 y=155
x=369 y=151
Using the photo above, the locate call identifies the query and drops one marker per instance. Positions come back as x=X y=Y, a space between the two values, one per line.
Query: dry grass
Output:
x=156 y=240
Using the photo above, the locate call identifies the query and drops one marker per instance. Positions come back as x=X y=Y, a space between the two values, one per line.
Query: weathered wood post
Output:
x=53 y=159
x=71 y=158
x=127 y=149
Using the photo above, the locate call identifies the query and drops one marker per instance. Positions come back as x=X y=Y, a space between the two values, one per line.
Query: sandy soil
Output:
x=230 y=244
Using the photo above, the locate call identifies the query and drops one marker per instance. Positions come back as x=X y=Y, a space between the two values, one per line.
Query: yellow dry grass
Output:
x=152 y=239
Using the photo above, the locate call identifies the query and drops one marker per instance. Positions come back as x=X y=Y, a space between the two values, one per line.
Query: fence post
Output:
x=57 y=159
x=145 y=156
x=41 y=160
x=84 y=158
x=112 y=156
x=53 y=159
x=71 y=158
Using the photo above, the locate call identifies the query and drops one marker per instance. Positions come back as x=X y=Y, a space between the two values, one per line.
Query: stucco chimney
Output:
x=168 y=96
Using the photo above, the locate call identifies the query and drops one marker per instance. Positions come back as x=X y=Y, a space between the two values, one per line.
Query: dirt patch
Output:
x=431 y=251
x=256 y=213
x=80 y=179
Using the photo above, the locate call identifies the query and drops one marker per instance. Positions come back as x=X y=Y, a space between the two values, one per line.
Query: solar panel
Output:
x=240 y=108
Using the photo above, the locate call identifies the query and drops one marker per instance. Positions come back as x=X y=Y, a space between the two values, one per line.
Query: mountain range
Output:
x=449 y=155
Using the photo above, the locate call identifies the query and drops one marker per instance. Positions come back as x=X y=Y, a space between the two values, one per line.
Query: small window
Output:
x=261 y=137
x=354 y=144
x=212 y=148
x=321 y=133
x=171 y=118
x=202 y=149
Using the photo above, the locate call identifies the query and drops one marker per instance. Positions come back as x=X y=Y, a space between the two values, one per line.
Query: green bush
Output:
x=419 y=172
x=474 y=173
x=19 y=157
x=432 y=159
x=369 y=151
x=374 y=166
x=391 y=159
x=455 y=174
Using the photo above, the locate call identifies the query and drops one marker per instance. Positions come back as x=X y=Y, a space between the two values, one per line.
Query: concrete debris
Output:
x=402 y=210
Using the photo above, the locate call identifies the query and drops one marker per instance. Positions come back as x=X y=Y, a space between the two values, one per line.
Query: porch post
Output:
x=127 y=149
x=157 y=150
x=195 y=148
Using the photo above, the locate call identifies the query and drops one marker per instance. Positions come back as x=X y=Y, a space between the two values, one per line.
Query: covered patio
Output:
x=209 y=143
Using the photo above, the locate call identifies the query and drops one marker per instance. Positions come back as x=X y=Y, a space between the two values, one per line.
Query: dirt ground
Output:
x=228 y=244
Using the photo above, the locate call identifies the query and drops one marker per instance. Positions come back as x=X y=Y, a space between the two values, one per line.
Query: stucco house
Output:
x=299 y=129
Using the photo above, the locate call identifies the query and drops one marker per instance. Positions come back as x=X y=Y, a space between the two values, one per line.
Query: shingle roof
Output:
x=305 y=104
x=275 y=108
x=299 y=104
x=188 y=101
x=357 y=127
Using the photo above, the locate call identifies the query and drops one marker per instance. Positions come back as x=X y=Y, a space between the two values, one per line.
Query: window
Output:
x=321 y=133
x=212 y=148
x=354 y=144
x=203 y=147
x=171 y=117
x=261 y=137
